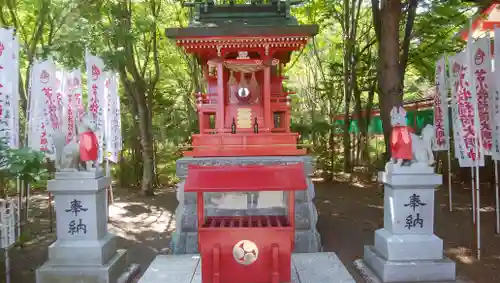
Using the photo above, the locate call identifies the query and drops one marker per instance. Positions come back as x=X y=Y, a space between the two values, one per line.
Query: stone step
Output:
x=306 y=268
x=369 y=276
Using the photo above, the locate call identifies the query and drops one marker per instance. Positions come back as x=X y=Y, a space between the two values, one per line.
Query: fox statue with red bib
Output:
x=401 y=139
x=80 y=152
x=406 y=147
x=89 y=144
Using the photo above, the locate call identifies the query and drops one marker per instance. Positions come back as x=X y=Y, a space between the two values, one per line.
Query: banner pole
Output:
x=497 y=202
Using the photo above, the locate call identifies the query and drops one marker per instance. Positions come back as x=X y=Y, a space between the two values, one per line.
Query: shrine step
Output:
x=306 y=268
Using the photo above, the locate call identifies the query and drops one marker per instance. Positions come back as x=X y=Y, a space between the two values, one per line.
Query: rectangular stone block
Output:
x=303 y=215
x=75 y=185
x=411 y=179
x=75 y=174
x=184 y=242
x=409 y=271
x=408 y=211
x=109 y=273
x=175 y=269
x=307 y=241
x=178 y=243
x=306 y=268
x=408 y=247
x=191 y=242
x=183 y=163
x=189 y=218
x=320 y=268
x=82 y=252
x=79 y=217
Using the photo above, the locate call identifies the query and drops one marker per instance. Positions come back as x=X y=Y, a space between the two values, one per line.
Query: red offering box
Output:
x=246 y=249
x=218 y=236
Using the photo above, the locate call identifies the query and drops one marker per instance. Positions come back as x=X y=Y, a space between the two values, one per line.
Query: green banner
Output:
x=422 y=118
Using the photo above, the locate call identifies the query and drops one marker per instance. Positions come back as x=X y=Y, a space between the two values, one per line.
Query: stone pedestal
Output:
x=185 y=239
x=84 y=250
x=406 y=249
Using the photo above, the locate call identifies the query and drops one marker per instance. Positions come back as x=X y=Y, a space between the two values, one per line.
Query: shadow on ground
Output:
x=349 y=213
x=143 y=224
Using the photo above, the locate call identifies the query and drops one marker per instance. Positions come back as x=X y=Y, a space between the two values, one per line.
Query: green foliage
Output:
x=63 y=29
x=24 y=163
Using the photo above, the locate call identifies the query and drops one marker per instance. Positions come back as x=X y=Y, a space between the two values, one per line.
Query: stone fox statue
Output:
x=81 y=150
x=67 y=155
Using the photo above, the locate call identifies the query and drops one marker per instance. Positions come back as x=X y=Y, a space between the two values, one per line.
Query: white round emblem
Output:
x=245 y=252
x=243 y=92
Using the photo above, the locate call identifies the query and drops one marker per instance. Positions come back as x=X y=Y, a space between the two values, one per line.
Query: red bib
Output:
x=401 y=143
x=89 y=146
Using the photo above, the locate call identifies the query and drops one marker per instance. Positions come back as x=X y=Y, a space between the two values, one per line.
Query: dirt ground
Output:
x=349 y=213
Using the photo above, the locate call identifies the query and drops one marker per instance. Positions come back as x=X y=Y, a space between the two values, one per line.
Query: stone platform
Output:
x=306 y=268
x=408 y=271
x=185 y=239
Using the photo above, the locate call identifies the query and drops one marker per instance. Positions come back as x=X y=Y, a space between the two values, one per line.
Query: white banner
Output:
x=454 y=63
x=57 y=102
x=96 y=108
x=76 y=87
x=15 y=94
x=481 y=73
x=68 y=106
x=42 y=112
x=466 y=103
x=9 y=97
x=113 y=133
x=495 y=100
x=441 y=124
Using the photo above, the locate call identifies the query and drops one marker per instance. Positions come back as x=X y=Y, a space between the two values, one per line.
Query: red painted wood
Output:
x=245 y=178
x=245 y=143
x=258 y=272
x=477 y=22
x=490 y=25
x=231 y=152
x=267 y=100
x=216 y=102
x=272 y=234
x=219 y=116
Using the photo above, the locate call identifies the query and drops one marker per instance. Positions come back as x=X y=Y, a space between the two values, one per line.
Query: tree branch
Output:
x=412 y=10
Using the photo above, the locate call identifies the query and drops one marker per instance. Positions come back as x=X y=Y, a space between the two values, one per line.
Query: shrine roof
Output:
x=229 y=20
x=241 y=31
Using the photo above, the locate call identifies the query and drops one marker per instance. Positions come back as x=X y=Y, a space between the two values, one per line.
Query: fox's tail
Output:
x=59 y=139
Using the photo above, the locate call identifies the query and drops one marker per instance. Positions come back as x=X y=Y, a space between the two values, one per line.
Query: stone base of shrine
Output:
x=116 y=270
x=306 y=268
x=374 y=268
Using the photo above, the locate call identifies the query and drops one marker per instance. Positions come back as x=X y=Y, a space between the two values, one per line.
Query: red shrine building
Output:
x=243 y=109
x=246 y=195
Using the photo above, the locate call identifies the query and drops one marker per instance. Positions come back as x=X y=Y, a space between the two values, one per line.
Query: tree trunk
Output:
x=389 y=68
x=366 y=120
x=145 y=124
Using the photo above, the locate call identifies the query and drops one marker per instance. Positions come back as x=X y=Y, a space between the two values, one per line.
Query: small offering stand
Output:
x=248 y=248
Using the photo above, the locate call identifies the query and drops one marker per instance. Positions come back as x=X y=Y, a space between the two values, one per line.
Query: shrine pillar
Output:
x=84 y=250
x=219 y=116
x=406 y=249
x=268 y=121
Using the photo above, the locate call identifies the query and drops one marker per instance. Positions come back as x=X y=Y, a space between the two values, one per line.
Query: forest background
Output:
x=367 y=55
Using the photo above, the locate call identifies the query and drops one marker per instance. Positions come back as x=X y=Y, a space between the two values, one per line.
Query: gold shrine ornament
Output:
x=244 y=118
